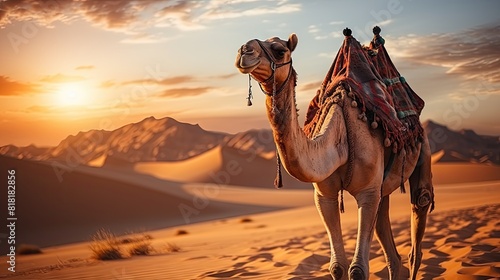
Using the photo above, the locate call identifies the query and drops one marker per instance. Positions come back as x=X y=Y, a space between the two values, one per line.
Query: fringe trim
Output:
x=342 y=209
x=278 y=181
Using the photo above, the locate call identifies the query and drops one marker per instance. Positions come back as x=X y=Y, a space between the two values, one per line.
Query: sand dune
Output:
x=222 y=165
x=452 y=173
x=462 y=239
x=52 y=212
x=196 y=169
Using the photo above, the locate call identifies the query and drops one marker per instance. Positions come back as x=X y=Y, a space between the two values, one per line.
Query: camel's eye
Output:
x=278 y=50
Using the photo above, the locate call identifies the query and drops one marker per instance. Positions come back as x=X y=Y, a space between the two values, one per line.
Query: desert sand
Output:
x=242 y=232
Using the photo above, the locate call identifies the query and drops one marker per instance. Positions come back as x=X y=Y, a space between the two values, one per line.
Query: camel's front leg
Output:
x=368 y=203
x=328 y=208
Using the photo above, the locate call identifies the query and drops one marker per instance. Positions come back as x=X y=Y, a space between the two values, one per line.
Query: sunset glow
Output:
x=70 y=95
x=134 y=59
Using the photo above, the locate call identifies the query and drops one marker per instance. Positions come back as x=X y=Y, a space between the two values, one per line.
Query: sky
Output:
x=70 y=66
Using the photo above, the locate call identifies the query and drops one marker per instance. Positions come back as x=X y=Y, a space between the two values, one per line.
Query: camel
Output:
x=342 y=152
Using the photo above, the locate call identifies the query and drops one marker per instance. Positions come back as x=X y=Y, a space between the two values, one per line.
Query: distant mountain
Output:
x=462 y=146
x=148 y=140
x=166 y=139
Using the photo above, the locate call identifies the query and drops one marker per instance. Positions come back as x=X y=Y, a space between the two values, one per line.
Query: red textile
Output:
x=407 y=103
x=363 y=75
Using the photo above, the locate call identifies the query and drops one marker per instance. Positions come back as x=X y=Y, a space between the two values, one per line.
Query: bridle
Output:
x=274 y=66
x=278 y=182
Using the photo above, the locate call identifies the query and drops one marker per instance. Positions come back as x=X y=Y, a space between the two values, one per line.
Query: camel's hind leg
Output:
x=422 y=197
x=383 y=232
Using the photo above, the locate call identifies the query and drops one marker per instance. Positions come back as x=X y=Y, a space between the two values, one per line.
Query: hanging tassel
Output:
x=387 y=142
x=249 y=101
x=342 y=210
x=402 y=186
x=278 y=182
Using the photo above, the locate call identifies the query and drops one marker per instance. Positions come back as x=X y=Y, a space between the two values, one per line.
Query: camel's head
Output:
x=267 y=61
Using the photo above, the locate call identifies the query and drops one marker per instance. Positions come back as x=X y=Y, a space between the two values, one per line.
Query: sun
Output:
x=70 y=94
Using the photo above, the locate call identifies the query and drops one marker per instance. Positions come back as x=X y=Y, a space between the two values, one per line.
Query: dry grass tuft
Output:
x=104 y=246
x=141 y=246
x=246 y=220
x=28 y=249
x=171 y=247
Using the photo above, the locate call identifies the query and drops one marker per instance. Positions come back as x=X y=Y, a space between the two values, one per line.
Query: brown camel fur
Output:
x=324 y=159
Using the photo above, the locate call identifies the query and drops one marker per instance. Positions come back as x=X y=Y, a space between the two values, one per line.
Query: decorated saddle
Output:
x=383 y=96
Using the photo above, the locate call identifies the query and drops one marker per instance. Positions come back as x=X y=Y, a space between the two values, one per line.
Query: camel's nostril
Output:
x=246 y=49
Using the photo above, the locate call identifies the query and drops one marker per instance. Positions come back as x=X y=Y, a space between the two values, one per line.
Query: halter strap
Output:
x=274 y=66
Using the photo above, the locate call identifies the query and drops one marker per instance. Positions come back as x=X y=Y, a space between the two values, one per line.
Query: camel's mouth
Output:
x=247 y=63
x=248 y=59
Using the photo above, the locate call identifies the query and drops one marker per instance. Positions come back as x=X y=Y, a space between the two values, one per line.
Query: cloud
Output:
x=131 y=17
x=38 y=109
x=226 y=76
x=108 y=84
x=310 y=86
x=42 y=12
x=164 y=82
x=114 y=14
x=110 y=14
x=318 y=34
x=240 y=8
x=61 y=78
x=144 y=38
x=339 y=22
x=179 y=15
x=142 y=20
x=183 y=92
x=9 y=87
x=85 y=67
x=471 y=54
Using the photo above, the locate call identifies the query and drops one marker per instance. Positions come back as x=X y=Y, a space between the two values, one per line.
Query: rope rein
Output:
x=278 y=182
x=250 y=96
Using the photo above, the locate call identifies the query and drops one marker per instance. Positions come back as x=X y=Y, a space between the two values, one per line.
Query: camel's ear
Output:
x=292 y=42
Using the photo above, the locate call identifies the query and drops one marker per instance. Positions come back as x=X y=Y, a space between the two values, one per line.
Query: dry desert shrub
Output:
x=104 y=246
x=141 y=246
x=171 y=248
x=28 y=249
x=246 y=220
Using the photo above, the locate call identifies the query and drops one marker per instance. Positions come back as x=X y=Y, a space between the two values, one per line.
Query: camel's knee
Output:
x=422 y=199
x=370 y=197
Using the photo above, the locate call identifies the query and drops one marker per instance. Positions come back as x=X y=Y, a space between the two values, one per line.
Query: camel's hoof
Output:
x=356 y=273
x=336 y=271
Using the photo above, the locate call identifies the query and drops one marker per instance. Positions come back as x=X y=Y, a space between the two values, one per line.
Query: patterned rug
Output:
x=382 y=94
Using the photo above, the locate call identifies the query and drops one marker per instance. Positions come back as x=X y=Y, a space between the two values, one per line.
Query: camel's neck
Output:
x=309 y=160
